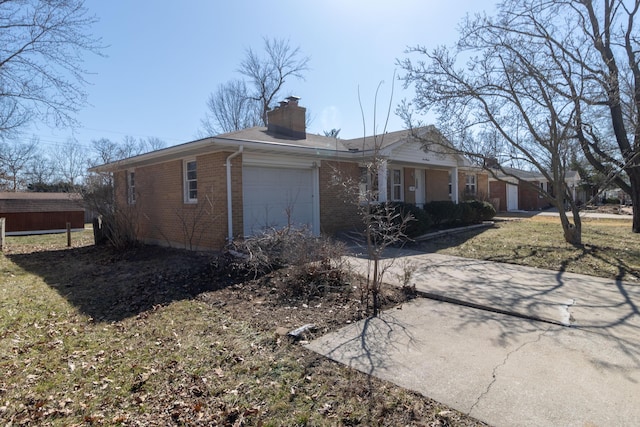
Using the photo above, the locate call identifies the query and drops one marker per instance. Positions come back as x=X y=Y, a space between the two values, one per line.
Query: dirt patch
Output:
x=110 y=285
x=268 y=304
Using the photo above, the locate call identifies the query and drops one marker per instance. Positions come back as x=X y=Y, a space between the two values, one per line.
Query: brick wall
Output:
x=437 y=185
x=482 y=180
x=163 y=217
x=498 y=191
x=339 y=205
x=409 y=181
x=528 y=198
x=482 y=183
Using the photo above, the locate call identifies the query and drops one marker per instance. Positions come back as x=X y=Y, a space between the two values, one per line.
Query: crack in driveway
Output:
x=504 y=362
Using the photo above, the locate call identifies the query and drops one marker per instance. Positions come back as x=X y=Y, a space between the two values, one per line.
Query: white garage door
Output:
x=512 y=197
x=274 y=196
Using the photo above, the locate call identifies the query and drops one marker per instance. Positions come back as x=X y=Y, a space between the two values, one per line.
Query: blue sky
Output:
x=164 y=58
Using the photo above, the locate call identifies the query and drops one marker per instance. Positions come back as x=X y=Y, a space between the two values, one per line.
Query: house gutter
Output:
x=229 y=193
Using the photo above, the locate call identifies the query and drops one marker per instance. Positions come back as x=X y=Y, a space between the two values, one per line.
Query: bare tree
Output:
x=14 y=158
x=267 y=74
x=382 y=224
x=239 y=104
x=230 y=108
x=508 y=105
x=611 y=66
x=39 y=171
x=71 y=161
x=106 y=151
x=153 y=143
x=131 y=146
x=42 y=44
x=333 y=133
x=584 y=54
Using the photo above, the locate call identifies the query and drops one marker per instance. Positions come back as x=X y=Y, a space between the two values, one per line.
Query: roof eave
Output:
x=212 y=144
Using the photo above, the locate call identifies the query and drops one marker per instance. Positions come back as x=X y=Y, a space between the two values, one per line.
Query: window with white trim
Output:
x=470 y=184
x=368 y=186
x=396 y=184
x=131 y=187
x=190 y=181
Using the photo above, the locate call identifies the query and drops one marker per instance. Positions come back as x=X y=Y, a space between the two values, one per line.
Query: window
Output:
x=450 y=184
x=470 y=184
x=190 y=182
x=131 y=187
x=368 y=187
x=396 y=185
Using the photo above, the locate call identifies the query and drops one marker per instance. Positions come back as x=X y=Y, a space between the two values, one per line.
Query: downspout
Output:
x=229 y=194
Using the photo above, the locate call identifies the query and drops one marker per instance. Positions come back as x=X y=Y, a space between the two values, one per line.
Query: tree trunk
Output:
x=634 y=178
x=573 y=234
x=376 y=286
x=572 y=231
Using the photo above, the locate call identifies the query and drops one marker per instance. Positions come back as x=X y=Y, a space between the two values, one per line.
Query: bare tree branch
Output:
x=42 y=44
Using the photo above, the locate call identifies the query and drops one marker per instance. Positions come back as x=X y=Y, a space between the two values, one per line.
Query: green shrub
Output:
x=487 y=210
x=421 y=222
x=417 y=224
x=443 y=211
x=476 y=211
x=467 y=212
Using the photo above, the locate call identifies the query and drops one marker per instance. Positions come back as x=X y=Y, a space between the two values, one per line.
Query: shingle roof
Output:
x=260 y=138
x=40 y=202
x=260 y=134
x=534 y=175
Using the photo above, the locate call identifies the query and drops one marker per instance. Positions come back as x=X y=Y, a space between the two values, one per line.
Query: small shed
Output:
x=41 y=213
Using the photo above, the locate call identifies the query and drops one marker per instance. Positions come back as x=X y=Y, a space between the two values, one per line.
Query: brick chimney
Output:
x=288 y=119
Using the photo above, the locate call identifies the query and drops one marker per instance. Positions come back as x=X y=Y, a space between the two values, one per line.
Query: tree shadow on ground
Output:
x=444 y=239
x=109 y=285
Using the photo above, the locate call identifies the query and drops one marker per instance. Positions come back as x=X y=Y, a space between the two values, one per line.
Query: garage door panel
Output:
x=274 y=196
x=512 y=197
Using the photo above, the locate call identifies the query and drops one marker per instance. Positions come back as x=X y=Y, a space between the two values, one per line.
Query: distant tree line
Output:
x=31 y=166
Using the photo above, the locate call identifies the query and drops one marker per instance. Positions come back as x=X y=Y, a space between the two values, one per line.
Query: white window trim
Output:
x=131 y=189
x=185 y=181
x=473 y=185
x=400 y=185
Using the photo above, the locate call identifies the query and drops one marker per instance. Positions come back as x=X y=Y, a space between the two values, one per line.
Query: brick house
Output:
x=37 y=213
x=202 y=193
x=516 y=189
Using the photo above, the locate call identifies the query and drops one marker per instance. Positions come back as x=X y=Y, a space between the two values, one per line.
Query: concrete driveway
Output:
x=518 y=347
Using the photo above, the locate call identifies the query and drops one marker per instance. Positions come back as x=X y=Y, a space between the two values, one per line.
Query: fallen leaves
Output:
x=93 y=348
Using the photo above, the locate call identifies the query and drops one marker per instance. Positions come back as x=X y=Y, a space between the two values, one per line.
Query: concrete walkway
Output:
x=521 y=346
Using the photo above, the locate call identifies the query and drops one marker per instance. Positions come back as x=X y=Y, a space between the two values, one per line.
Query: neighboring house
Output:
x=509 y=194
x=39 y=213
x=617 y=193
x=203 y=193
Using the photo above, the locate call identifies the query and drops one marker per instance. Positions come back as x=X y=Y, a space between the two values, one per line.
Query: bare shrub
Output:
x=315 y=262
